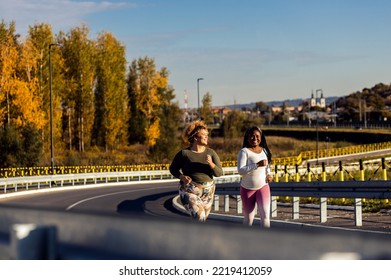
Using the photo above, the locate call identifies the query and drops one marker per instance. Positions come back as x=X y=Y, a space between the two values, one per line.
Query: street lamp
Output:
x=51 y=108
x=317 y=126
x=198 y=93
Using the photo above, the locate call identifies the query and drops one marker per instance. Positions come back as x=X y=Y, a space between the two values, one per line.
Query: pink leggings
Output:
x=261 y=198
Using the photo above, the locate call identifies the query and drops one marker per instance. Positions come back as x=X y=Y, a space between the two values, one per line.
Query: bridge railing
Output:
x=14 y=184
x=30 y=233
x=279 y=162
x=60 y=237
x=228 y=185
x=373 y=169
x=357 y=190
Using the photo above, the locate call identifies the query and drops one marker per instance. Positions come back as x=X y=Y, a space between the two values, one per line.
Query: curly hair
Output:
x=191 y=130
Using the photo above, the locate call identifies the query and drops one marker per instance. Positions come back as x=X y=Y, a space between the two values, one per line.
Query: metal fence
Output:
x=279 y=163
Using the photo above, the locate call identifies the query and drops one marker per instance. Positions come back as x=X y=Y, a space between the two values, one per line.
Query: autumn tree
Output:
x=170 y=115
x=22 y=117
x=37 y=45
x=111 y=114
x=8 y=61
x=145 y=87
x=78 y=102
x=137 y=121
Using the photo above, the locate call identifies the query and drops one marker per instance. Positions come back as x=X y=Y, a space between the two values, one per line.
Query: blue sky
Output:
x=245 y=50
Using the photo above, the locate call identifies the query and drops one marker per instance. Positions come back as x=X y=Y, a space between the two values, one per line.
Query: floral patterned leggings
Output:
x=197 y=199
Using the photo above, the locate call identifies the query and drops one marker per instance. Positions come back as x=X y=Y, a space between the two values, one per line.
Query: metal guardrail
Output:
x=37 y=182
x=39 y=234
x=292 y=161
x=346 y=189
x=320 y=189
x=56 y=235
x=226 y=185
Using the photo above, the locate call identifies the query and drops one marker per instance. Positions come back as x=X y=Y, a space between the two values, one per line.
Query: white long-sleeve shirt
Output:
x=253 y=177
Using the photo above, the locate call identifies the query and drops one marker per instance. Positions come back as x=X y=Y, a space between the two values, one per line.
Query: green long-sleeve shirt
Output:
x=193 y=164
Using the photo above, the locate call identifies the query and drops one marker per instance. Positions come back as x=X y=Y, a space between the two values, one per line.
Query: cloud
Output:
x=61 y=14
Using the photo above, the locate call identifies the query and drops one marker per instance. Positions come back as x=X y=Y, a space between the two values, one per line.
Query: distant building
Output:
x=318 y=103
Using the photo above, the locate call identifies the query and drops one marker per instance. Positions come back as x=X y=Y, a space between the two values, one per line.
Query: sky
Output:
x=244 y=50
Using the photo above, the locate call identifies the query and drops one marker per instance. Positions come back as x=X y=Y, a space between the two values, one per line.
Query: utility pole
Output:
x=51 y=108
x=198 y=92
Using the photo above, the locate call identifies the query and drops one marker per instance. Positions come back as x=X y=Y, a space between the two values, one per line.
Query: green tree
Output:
x=262 y=107
x=206 y=108
x=170 y=115
x=9 y=146
x=233 y=125
x=78 y=102
x=111 y=114
x=31 y=146
x=145 y=88
x=36 y=48
x=137 y=121
x=20 y=147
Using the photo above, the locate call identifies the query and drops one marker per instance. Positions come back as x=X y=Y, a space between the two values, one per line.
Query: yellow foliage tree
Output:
x=147 y=88
x=8 y=60
x=153 y=132
x=27 y=100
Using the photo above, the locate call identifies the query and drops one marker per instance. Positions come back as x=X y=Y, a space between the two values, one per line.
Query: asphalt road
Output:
x=153 y=200
x=135 y=200
x=144 y=199
x=111 y=200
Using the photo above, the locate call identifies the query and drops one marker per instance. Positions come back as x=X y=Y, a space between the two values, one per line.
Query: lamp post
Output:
x=317 y=126
x=51 y=109
x=198 y=93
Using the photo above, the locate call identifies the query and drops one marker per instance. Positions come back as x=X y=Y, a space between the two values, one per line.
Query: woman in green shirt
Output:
x=195 y=167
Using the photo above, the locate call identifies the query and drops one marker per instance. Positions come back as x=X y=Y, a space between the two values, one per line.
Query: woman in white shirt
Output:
x=253 y=165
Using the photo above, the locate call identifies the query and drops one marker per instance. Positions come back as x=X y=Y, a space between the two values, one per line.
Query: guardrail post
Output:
x=239 y=204
x=296 y=203
x=33 y=242
x=309 y=176
x=273 y=204
x=323 y=200
x=286 y=175
x=226 y=203
x=216 y=202
x=324 y=174
x=384 y=169
x=358 y=201
x=297 y=173
x=341 y=178
x=358 y=211
x=295 y=207
x=362 y=176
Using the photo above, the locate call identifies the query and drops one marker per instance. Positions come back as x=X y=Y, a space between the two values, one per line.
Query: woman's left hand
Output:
x=269 y=178
x=209 y=160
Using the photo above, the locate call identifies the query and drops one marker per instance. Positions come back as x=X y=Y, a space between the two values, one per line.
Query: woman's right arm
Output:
x=175 y=166
x=176 y=169
x=243 y=168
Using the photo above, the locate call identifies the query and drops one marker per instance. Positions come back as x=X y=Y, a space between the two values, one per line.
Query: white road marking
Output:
x=107 y=194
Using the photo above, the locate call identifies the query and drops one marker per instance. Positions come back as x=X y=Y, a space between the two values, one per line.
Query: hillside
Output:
x=292 y=102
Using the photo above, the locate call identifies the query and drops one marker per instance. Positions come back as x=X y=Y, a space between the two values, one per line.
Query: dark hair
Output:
x=262 y=144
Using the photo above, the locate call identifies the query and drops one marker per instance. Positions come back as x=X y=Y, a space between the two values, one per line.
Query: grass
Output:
x=228 y=149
